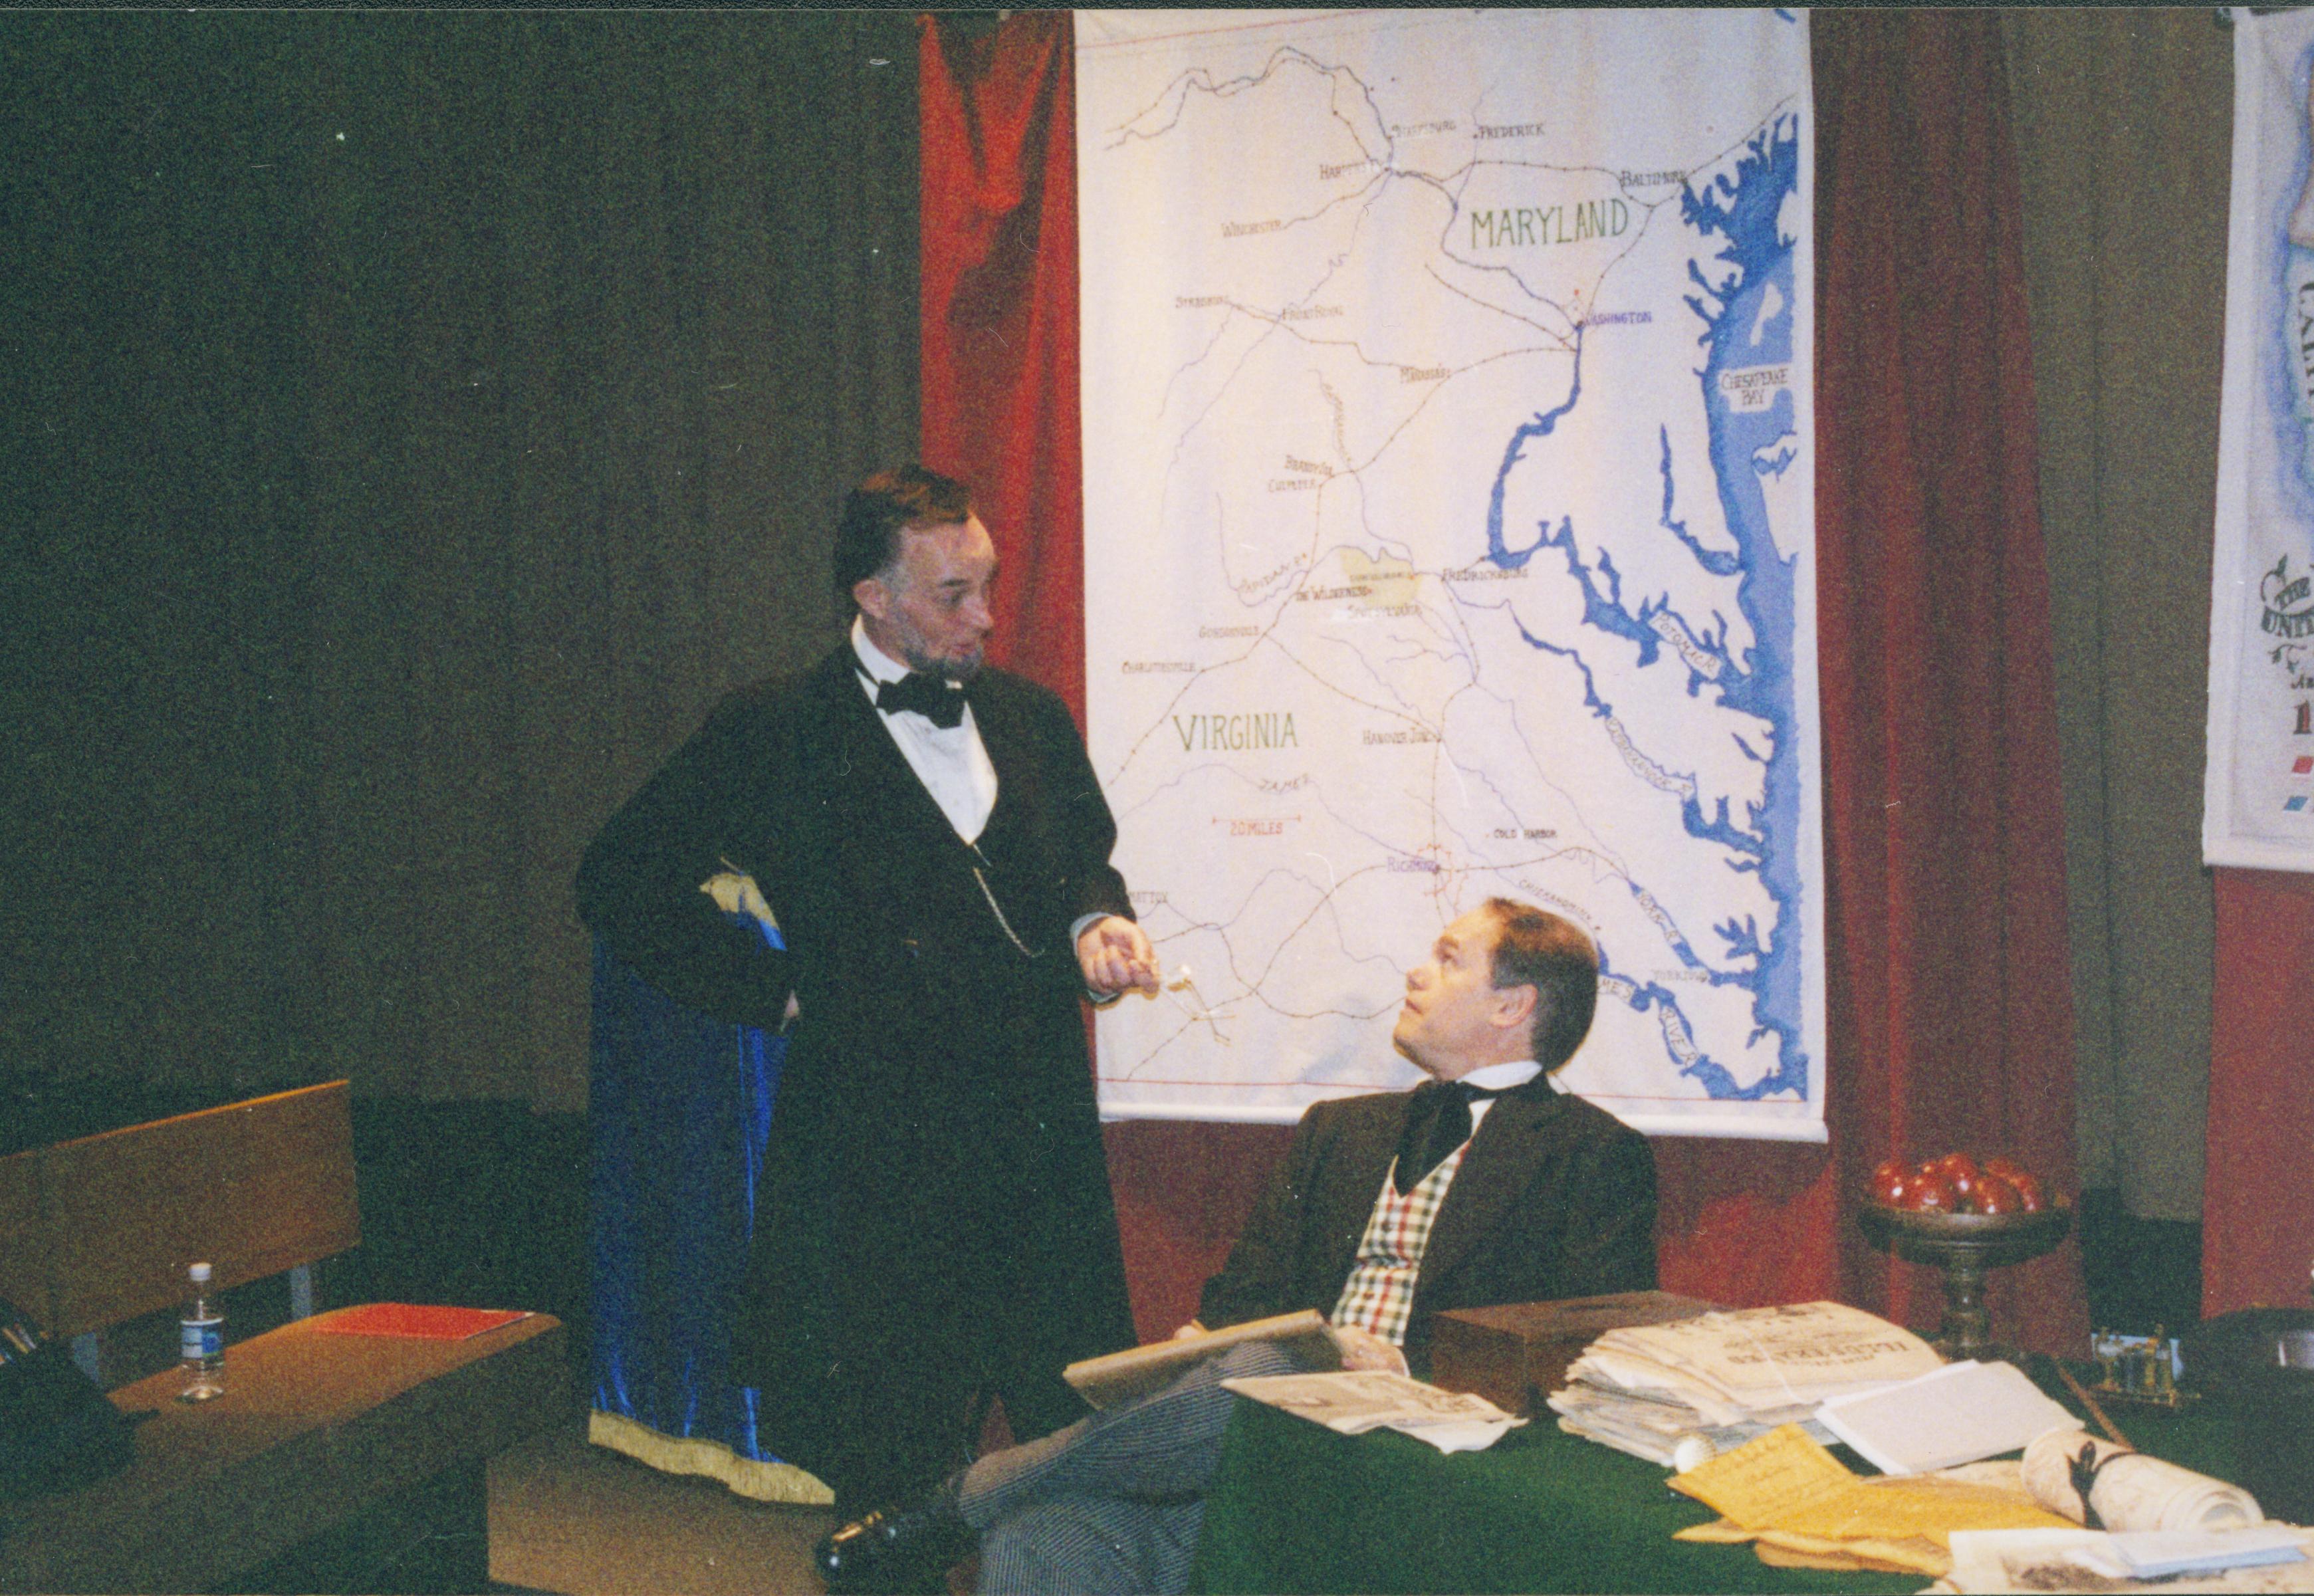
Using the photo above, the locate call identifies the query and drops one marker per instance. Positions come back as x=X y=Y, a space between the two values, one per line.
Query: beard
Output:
x=959 y=671
x=915 y=652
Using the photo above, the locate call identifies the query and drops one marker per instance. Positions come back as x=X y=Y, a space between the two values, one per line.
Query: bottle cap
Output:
x=201 y=1273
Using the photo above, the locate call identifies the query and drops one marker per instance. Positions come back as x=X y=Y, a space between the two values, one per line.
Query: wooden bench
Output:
x=99 y=1232
x=331 y=1457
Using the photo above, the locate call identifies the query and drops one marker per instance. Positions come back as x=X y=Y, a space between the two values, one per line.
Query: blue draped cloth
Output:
x=681 y=1107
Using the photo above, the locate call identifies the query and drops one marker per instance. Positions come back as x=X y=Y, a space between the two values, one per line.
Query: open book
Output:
x=1121 y=1377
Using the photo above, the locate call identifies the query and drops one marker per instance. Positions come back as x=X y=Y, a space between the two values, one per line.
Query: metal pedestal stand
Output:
x=1967 y=1246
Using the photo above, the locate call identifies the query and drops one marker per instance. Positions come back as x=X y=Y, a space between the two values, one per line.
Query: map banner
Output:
x=2257 y=789
x=1449 y=530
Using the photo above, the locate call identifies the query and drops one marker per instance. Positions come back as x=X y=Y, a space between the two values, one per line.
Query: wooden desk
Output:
x=328 y=1456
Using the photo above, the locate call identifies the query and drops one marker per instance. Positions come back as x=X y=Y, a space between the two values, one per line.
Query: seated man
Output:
x=1484 y=1184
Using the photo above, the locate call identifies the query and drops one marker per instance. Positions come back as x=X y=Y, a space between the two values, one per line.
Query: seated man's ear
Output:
x=1514 y=1006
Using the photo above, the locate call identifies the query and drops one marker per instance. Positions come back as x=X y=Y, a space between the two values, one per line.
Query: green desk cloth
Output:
x=1298 y=1508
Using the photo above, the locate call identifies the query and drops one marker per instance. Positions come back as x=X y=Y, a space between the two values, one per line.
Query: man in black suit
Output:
x=1484 y=1185
x=922 y=853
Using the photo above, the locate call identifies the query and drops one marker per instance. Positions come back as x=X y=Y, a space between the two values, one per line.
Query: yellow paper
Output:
x=1905 y=1508
x=1784 y=1481
x=1718 y=1533
x=1776 y=1556
x=1783 y=1548
x=1943 y=1505
x=1780 y=1549
x=1761 y=1481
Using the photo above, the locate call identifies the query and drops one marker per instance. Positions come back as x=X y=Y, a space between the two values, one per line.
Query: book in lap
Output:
x=1119 y=1377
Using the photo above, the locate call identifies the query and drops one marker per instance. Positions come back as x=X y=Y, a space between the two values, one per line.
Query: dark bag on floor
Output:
x=58 y=1431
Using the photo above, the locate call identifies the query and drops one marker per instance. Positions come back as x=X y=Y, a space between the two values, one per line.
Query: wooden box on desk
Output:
x=1516 y=1354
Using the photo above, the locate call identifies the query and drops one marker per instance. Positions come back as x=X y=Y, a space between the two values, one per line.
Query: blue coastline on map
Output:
x=1744 y=211
x=1767 y=176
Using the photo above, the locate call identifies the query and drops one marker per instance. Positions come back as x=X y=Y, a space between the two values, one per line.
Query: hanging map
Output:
x=1449 y=516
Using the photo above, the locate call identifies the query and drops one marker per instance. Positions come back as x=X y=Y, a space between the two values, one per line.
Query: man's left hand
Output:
x=1365 y=1350
x=1115 y=956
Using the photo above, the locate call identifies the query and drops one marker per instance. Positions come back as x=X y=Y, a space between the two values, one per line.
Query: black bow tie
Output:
x=1437 y=1121
x=940 y=701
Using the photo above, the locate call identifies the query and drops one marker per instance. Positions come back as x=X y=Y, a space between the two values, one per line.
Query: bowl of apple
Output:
x=1965 y=1217
x=1996 y=1196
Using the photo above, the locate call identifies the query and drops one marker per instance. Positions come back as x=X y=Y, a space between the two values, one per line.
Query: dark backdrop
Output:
x=411 y=424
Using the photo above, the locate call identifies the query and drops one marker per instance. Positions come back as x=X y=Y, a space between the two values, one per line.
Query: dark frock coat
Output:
x=1555 y=1198
x=933 y=1216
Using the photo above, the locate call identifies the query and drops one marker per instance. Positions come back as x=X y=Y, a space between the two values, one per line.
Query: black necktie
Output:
x=1437 y=1121
x=935 y=700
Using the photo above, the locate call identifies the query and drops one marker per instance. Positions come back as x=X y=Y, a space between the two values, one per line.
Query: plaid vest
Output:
x=1379 y=1295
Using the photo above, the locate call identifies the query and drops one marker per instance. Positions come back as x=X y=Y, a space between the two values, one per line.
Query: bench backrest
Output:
x=98 y=1232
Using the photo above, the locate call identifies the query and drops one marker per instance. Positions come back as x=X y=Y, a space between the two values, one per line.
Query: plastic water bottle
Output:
x=201 y=1341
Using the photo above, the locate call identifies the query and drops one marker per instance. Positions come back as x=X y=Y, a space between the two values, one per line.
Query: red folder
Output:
x=417 y=1321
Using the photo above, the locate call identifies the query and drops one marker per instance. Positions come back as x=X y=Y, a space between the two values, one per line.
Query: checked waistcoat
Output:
x=1379 y=1295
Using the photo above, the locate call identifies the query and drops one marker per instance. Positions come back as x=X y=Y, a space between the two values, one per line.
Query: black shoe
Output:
x=897 y=1551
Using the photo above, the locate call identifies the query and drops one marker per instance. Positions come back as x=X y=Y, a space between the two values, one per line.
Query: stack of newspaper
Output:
x=1718 y=1379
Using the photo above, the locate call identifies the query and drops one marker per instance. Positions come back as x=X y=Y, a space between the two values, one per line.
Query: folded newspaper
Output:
x=1718 y=1379
x=1355 y=1402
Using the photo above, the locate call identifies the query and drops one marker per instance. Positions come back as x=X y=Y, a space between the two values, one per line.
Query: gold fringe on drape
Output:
x=673 y=1454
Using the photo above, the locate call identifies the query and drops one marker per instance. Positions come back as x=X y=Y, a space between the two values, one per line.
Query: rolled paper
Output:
x=2127 y=1490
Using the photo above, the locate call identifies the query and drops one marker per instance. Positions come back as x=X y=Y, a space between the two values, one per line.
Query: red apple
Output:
x=1889 y=1182
x=1931 y=1191
x=1996 y=1193
x=2027 y=1183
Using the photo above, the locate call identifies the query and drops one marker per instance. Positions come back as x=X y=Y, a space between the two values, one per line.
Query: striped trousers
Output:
x=1111 y=1506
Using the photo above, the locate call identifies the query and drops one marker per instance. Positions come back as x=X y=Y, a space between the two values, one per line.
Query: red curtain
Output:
x=2257 y=1229
x=1949 y=986
x=998 y=319
x=1949 y=989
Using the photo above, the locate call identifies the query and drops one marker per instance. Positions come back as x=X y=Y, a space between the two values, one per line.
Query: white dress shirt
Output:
x=949 y=761
x=1499 y=1078
x=952 y=762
